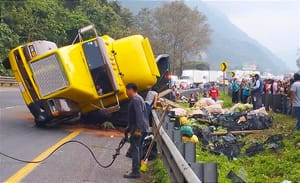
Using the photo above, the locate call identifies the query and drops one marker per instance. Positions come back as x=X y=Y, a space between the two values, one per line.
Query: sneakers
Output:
x=132 y=175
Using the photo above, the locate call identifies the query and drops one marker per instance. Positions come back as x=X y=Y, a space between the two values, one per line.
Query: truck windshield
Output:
x=97 y=67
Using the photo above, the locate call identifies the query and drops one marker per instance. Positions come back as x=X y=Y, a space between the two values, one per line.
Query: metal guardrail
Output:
x=177 y=167
x=7 y=81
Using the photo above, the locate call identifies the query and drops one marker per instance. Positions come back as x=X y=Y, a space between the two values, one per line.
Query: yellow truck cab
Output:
x=60 y=83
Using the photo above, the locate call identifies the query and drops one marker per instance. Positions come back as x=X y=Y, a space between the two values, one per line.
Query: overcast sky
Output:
x=275 y=24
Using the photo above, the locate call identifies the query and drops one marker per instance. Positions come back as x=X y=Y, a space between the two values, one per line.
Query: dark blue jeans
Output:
x=244 y=98
x=298 y=117
x=257 y=101
x=235 y=97
x=136 y=151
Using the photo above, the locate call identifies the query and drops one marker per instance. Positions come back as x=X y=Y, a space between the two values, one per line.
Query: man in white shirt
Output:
x=150 y=101
x=295 y=97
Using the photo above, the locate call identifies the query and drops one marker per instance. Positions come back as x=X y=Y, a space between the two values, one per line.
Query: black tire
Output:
x=40 y=124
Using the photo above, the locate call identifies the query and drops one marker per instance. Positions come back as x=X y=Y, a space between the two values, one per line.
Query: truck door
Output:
x=97 y=68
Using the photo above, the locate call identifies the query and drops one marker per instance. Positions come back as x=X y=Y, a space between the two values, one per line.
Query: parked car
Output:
x=184 y=84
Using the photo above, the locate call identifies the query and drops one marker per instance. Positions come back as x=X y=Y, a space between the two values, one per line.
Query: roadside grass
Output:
x=268 y=166
x=158 y=172
x=227 y=99
x=183 y=104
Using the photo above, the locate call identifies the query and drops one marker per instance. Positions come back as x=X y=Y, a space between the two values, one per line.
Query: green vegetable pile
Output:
x=267 y=166
x=241 y=107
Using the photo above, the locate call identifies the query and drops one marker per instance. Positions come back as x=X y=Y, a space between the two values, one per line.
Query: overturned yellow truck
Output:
x=89 y=75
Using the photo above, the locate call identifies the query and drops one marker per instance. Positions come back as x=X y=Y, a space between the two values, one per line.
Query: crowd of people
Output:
x=248 y=91
x=251 y=90
x=260 y=92
x=287 y=94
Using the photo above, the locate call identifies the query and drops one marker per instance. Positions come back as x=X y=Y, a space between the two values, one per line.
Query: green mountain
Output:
x=228 y=41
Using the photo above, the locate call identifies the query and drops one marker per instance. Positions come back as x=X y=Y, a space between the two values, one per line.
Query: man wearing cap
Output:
x=257 y=90
x=137 y=127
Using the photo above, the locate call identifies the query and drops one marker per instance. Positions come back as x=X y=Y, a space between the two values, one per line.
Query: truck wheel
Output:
x=40 y=122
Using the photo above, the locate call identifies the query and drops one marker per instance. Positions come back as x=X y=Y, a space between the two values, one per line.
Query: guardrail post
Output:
x=210 y=172
x=178 y=142
x=190 y=152
x=170 y=130
x=165 y=125
x=198 y=169
x=178 y=169
x=171 y=125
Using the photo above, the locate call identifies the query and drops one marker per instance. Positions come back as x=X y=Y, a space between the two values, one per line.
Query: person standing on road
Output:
x=137 y=127
x=235 y=91
x=192 y=99
x=257 y=89
x=245 y=91
x=295 y=97
x=214 y=93
x=150 y=101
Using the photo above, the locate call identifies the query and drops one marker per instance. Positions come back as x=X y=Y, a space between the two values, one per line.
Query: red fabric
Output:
x=214 y=93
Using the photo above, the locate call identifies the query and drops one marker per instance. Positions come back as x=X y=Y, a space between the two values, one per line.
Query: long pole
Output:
x=224 y=83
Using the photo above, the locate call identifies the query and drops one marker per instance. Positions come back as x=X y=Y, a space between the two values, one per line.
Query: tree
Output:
x=176 y=29
x=196 y=65
x=7 y=41
x=144 y=23
x=58 y=21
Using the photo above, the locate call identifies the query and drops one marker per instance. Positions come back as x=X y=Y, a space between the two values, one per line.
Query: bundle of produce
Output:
x=220 y=102
x=193 y=139
x=215 y=108
x=204 y=102
x=259 y=111
x=179 y=111
x=196 y=112
x=184 y=121
x=187 y=131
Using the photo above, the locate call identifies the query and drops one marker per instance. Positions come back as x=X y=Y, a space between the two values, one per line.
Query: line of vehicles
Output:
x=197 y=78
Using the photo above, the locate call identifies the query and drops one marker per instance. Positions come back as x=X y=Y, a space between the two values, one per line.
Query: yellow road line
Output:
x=23 y=172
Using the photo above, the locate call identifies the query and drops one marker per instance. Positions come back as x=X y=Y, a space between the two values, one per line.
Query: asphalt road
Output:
x=20 y=138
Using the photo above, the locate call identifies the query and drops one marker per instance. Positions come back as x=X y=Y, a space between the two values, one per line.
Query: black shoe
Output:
x=128 y=155
x=132 y=175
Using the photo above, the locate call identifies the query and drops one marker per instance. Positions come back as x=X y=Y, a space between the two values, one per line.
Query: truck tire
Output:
x=39 y=123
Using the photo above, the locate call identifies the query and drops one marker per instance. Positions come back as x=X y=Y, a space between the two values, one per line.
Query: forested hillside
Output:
x=58 y=21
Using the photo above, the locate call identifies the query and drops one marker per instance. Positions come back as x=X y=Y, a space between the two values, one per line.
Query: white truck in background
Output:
x=201 y=76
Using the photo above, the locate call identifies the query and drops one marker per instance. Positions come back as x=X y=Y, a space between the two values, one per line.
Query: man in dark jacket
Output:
x=137 y=127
